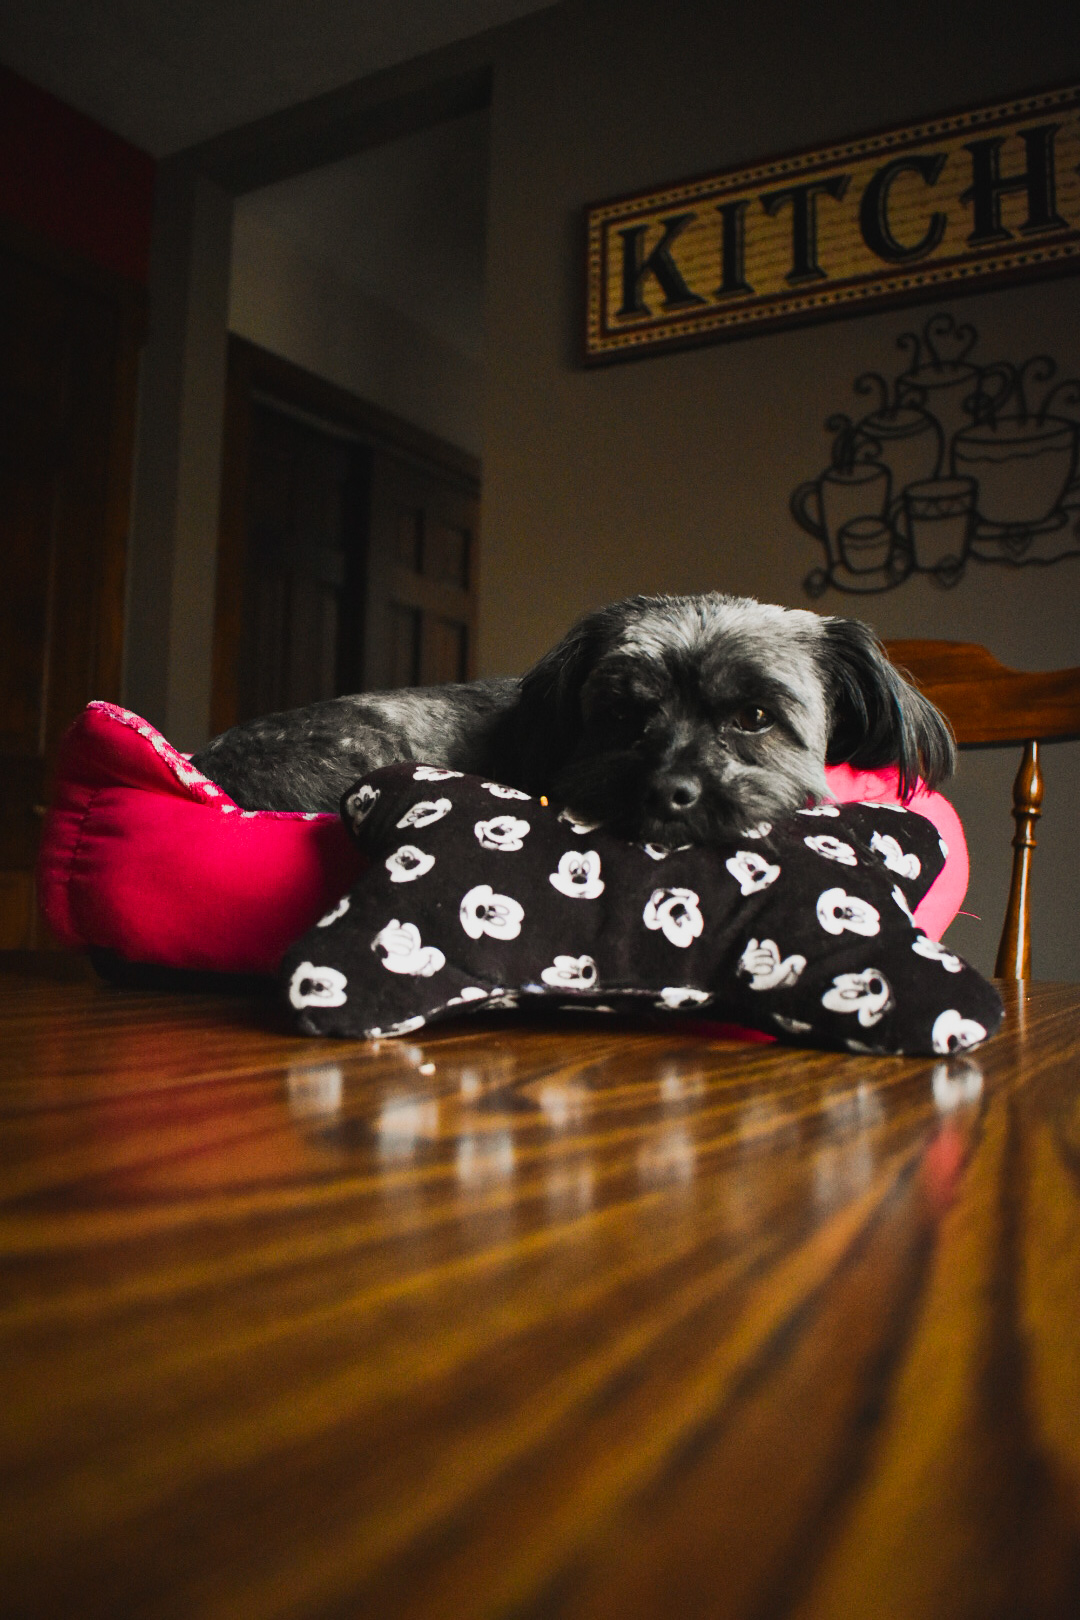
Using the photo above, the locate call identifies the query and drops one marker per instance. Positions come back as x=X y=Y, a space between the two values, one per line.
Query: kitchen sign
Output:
x=957 y=202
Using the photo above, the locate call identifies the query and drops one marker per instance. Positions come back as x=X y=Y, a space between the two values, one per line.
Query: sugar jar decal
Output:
x=955 y=462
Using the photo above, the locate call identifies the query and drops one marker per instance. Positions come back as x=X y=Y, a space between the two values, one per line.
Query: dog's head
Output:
x=684 y=719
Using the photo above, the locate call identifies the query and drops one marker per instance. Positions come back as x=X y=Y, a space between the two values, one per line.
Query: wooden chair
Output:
x=987 y=703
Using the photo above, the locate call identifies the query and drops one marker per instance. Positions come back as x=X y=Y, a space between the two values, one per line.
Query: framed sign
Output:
x=965 y=200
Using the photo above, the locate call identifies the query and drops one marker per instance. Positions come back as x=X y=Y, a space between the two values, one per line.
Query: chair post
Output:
x=1014 y=953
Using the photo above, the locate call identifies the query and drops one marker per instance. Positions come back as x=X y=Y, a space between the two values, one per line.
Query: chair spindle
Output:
x=1014 y=952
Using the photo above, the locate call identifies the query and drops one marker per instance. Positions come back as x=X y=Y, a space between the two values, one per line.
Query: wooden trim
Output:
x=232 y=539
x=384 y=106
x=109 y=659
x=473 y=587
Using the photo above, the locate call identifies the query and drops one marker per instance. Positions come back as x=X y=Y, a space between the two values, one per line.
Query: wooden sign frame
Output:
x=971 y=199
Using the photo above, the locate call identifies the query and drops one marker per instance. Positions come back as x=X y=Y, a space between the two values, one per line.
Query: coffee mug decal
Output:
x=956 y=462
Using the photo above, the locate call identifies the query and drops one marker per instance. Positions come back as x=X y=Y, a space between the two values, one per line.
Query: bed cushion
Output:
x=479 y=896
x=141 y=856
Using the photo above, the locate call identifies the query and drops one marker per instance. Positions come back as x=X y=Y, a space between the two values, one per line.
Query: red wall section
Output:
x=69 y=179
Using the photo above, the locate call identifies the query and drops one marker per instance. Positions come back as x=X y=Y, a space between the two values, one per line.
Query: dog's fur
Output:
x=672 y=719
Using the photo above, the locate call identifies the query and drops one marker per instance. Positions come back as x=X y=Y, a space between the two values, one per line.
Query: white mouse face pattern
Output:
x=424 y=813
x=894 y=857
x=751 y=871
x=482 y=911
x=312 y=986
x=578 y=875
x=838 y=911
x=399 y=948
x=360 y=803
x=676 y=913
x=571 y=973
x=507 y=833
x=867 y=995
x=766 y=969
x=953 y=1032
x=408 y=863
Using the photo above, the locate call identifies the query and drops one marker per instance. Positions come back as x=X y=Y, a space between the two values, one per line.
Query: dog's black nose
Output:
x=676 y=794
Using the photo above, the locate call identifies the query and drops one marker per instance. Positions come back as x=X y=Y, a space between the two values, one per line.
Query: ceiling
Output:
x=166 y=74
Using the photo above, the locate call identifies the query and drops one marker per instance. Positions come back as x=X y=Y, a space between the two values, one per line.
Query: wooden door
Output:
x=68 y=355
x=348 y=552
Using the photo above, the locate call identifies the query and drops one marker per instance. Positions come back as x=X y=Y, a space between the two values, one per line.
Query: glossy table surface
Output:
x=533 y=1321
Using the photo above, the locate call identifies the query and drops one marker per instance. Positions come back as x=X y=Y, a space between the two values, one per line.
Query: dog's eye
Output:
x=624 y=714
x=752 y=719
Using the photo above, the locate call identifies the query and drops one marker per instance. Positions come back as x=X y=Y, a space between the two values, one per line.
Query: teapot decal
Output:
x=952 y=464
x=910 y=440
x=1023 y=460
x=938 y=365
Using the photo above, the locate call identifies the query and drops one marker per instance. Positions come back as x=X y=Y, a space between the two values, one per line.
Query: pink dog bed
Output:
x=144 y=859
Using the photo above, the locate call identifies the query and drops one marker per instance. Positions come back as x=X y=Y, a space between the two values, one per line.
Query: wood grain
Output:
x=986 y=701
x=569 y=1320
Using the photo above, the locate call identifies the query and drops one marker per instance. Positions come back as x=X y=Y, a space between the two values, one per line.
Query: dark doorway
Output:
x=348 y=553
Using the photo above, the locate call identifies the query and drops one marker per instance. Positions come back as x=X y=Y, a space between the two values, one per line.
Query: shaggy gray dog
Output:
x=672 y=719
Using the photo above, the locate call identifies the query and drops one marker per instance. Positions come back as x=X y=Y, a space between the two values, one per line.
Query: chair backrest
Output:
x=987 y=703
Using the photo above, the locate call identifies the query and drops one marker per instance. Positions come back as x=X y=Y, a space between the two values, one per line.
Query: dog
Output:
x=670 y=720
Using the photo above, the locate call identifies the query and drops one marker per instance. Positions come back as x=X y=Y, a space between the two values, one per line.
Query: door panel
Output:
x=422 y=545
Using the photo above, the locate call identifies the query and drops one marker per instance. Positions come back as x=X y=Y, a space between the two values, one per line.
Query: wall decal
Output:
x=966 y=199
x=955 y=461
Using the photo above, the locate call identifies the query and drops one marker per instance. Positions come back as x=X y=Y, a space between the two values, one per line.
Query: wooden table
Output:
x=531 y=1321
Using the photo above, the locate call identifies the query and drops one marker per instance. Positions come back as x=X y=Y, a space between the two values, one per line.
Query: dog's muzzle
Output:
x=673 y=794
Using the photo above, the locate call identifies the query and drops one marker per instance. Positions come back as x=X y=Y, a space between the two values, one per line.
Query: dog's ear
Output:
x=876 y=716
x=547 y=719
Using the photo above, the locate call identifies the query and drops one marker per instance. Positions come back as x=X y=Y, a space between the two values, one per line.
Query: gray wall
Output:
x=673 y=473
x=285 y=301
